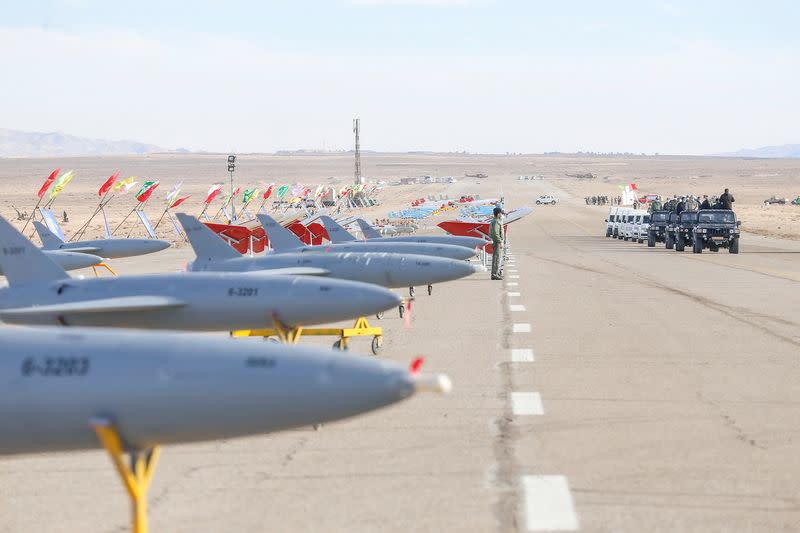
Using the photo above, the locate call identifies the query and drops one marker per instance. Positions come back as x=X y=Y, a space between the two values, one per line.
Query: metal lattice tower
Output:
x=359 y=179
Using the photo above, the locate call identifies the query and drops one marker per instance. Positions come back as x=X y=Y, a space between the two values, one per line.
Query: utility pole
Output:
x=231 y=169
x=359 y=179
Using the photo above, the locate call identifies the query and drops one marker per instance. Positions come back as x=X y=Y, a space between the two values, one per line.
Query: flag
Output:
x=318 y=191
x=268 y=192
x=177 y=202
x=107 y=185
x=230 y=196
x=123 y=186
x=634 y=187
x=248 y=195
x=306 y=192
x=146 y=190
x=60 y=183
x=173 y=193
x=213 y=191
x=48 y=182
x=282 y=191
x=296 y=190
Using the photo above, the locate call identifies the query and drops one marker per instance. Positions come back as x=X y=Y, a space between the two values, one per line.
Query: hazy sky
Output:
x=479 y=75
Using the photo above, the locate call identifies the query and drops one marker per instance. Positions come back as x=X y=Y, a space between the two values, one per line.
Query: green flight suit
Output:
x=497 y=234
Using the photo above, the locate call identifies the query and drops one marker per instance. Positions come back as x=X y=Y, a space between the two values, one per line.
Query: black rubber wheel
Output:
x=680 y=244
x=697 y=246
x=411 y=291
x=338 y=346
x=640 y=241
x=430 y=290
x=651 y=241
x=669 y=243
x=377 y=344
x=379 y=315
x=402 y=310
x=734 y=246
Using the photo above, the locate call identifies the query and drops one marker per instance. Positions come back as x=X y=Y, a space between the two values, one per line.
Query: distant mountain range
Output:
x=15 y=143
x=784 y=151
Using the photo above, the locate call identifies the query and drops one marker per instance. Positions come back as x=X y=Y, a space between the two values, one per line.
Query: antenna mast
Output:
x=359 y=179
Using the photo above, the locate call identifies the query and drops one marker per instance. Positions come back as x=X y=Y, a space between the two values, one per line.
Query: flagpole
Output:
x=126 y=218
x=33 y=213
x=161 y=218
x=97 y=209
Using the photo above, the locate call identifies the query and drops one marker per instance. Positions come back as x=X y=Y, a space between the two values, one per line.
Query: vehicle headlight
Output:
x=733 y=231
x=700 y=230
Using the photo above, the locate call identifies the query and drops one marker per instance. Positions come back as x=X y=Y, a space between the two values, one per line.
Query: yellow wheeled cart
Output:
x=361 y=328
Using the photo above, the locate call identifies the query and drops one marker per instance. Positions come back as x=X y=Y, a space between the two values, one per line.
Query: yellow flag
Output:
x=60 y=183
x=123 y=183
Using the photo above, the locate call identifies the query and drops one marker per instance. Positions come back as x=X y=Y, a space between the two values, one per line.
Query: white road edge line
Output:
x=548 y=504
x=522 y=355
x=521 y=328
x=516 y=307
x=526 y=403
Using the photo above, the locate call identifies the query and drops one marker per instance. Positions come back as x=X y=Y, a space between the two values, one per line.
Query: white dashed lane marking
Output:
x=513 y=294
x=522 y=355
x=526 y=403
x=521 y=328
x=512 y=284
x=513 y=277
x=516 y=307
x=548 y=504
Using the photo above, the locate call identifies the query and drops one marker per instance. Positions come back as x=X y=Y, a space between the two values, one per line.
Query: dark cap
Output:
x=498 y=211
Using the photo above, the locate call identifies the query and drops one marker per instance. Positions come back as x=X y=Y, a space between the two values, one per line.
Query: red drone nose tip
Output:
x=416 y=364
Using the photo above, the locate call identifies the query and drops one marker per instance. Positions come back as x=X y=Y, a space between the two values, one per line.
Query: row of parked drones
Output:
x=706 y=229
x=94 y=385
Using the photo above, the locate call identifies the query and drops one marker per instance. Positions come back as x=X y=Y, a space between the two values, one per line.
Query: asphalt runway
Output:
x=602 y=386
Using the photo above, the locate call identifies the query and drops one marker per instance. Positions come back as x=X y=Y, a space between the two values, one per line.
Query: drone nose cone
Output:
x=156 y=246
x=477 y=268
x=377 y=299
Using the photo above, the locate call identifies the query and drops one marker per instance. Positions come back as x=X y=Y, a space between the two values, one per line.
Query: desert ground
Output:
x=601 y=386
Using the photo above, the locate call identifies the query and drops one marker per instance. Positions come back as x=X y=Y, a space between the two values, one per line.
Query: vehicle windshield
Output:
x=630 y=218
x=688 y=217
x=659 y=217
x=717 y=217
x=646 y=219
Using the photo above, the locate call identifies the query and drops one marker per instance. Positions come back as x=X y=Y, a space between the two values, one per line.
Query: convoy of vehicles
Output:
x=707 y=229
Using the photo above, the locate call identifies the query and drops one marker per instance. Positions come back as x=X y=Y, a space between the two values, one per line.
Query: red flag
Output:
x=213 y=192
x=268 y=191
x=146 y=194
x=107 y=185
x=48 y=182
x=178 y=202
x=634 y=187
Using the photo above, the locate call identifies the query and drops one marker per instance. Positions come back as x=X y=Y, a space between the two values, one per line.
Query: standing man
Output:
x=726 y=200
x=706 y=204
x=497 y=235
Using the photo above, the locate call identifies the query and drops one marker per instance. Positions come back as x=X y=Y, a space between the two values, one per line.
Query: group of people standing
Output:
x=603 y=200
x=693 y=203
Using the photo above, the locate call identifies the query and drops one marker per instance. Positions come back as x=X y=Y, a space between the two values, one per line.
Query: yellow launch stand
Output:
x=361 y=328
x=102 y=265
x=136 y=477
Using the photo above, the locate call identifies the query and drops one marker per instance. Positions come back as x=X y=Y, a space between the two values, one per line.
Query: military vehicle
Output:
x=684 y=230
x=657 y=231
x=669 y=231
x=715 y=229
